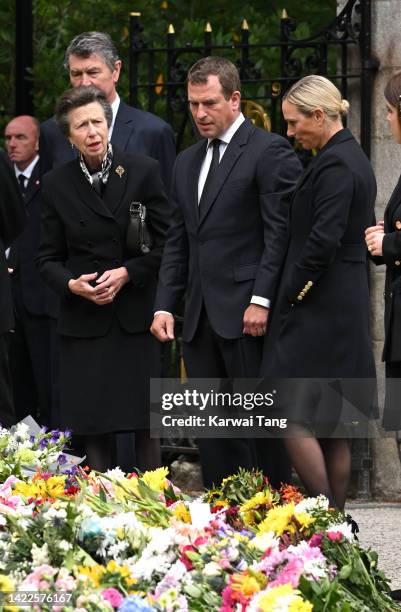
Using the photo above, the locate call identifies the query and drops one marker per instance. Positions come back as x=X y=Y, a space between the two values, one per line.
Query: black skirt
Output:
x=104 y=381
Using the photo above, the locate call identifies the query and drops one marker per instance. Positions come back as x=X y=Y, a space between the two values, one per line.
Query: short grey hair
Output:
x=87 y=43
x=75 y=98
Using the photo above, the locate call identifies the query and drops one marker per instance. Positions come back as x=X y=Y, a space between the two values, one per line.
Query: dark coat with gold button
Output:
x=392 y=259
x=320 y=320
x=83 y=233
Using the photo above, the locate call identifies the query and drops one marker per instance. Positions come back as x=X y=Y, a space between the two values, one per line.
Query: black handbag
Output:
x=139 y=238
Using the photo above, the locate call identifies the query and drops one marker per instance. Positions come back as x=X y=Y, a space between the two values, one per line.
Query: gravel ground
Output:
x=380 y=529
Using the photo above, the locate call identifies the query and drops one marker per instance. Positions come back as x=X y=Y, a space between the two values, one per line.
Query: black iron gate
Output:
x=341 y=51
x=157 y=75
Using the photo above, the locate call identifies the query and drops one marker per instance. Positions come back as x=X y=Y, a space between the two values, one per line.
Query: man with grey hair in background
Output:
x=91 y=58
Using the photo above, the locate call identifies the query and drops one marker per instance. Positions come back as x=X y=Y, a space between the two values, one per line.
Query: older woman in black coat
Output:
x=107 y=291
x=384 y=243
x=320 y=321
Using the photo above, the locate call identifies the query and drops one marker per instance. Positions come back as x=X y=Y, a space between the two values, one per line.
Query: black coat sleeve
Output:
x=332 y=194
x=12 y=209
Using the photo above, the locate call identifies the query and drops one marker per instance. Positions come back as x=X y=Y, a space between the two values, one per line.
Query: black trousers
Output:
x=210 y=356
x=7 y=417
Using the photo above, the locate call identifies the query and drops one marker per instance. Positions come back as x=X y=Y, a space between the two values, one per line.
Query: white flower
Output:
x=212 y=569
x=116 y=473
x=40 y=555
x=64 y=545
x=54 y=512
x=266 y=540
x=312 y=503
x=343 y=528
x=21 y=430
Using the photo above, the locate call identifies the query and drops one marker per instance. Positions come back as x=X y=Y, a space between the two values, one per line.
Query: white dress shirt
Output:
x=114 y=107
x=27 y=173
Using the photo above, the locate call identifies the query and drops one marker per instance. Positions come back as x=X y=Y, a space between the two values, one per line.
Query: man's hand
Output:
x=255 y=320
x=163 y=327
x=374 y=239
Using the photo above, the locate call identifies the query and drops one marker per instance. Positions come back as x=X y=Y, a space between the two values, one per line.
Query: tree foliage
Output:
x=56 y=23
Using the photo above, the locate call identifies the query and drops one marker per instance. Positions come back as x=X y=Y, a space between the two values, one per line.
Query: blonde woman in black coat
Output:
x=320 y=321
x=384 y=243
x=107 y=293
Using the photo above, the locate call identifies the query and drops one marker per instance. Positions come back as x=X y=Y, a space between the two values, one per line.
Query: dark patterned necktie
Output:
x=212 y=171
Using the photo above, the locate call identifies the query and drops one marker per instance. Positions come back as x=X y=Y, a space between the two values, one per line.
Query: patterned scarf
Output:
x=99 y=178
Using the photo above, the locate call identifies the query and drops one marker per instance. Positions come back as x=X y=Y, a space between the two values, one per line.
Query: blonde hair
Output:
x=316 y=91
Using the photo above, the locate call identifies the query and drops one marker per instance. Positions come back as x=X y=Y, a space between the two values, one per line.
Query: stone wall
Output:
x=386 y=161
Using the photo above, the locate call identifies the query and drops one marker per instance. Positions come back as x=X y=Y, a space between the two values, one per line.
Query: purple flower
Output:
x=43 y=443
x=62 y=459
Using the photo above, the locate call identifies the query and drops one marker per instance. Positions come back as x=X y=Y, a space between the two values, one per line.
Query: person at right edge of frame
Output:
x=225 y=248
x=384 y=244
x=320 y=324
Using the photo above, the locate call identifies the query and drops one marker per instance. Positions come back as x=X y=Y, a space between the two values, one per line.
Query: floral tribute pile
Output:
x=83 y=541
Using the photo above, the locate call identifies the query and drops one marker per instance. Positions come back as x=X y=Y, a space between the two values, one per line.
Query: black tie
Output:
x=212 y=171
x=21 y=180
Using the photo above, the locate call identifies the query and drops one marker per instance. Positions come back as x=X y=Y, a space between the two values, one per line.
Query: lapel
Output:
x=117 y=183
x=233 y=151
x=338 y=138
x=86 y=192
x=391 y=207
x=33 y=185
x=194 y=167
x=123 y=126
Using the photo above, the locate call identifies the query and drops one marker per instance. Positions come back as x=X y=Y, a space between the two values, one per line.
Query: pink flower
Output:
x=334 y=536
x=113 y=596
x=316 y=540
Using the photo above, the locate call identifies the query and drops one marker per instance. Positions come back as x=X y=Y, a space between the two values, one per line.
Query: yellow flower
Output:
x=113 y=568
x=304 y=519
x=129 y=486
x=55 y=486
x=283 y=595
x=156 y=479
x=94 y=573
x=248 y=584
x=263 y=497
x=278 y=520
x=180 y=511
x=6 y=584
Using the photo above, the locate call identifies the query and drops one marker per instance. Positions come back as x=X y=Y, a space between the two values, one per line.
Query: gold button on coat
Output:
x=397 y=263
x=309 y=283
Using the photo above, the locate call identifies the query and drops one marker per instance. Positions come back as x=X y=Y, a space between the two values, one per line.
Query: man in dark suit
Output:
x=225 y=247
x=30 y=342
x=92 y=59
x=12 y=220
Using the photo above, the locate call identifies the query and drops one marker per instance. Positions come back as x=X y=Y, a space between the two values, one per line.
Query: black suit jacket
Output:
x=82 y=233
x=392 y=258
x=36 y=297
x=12 y=220
x=135 y=131
x=320 y=322
x=236 y=247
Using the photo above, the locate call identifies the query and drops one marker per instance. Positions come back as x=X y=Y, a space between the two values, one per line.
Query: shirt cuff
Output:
x=162 y=312
x=260 y=301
